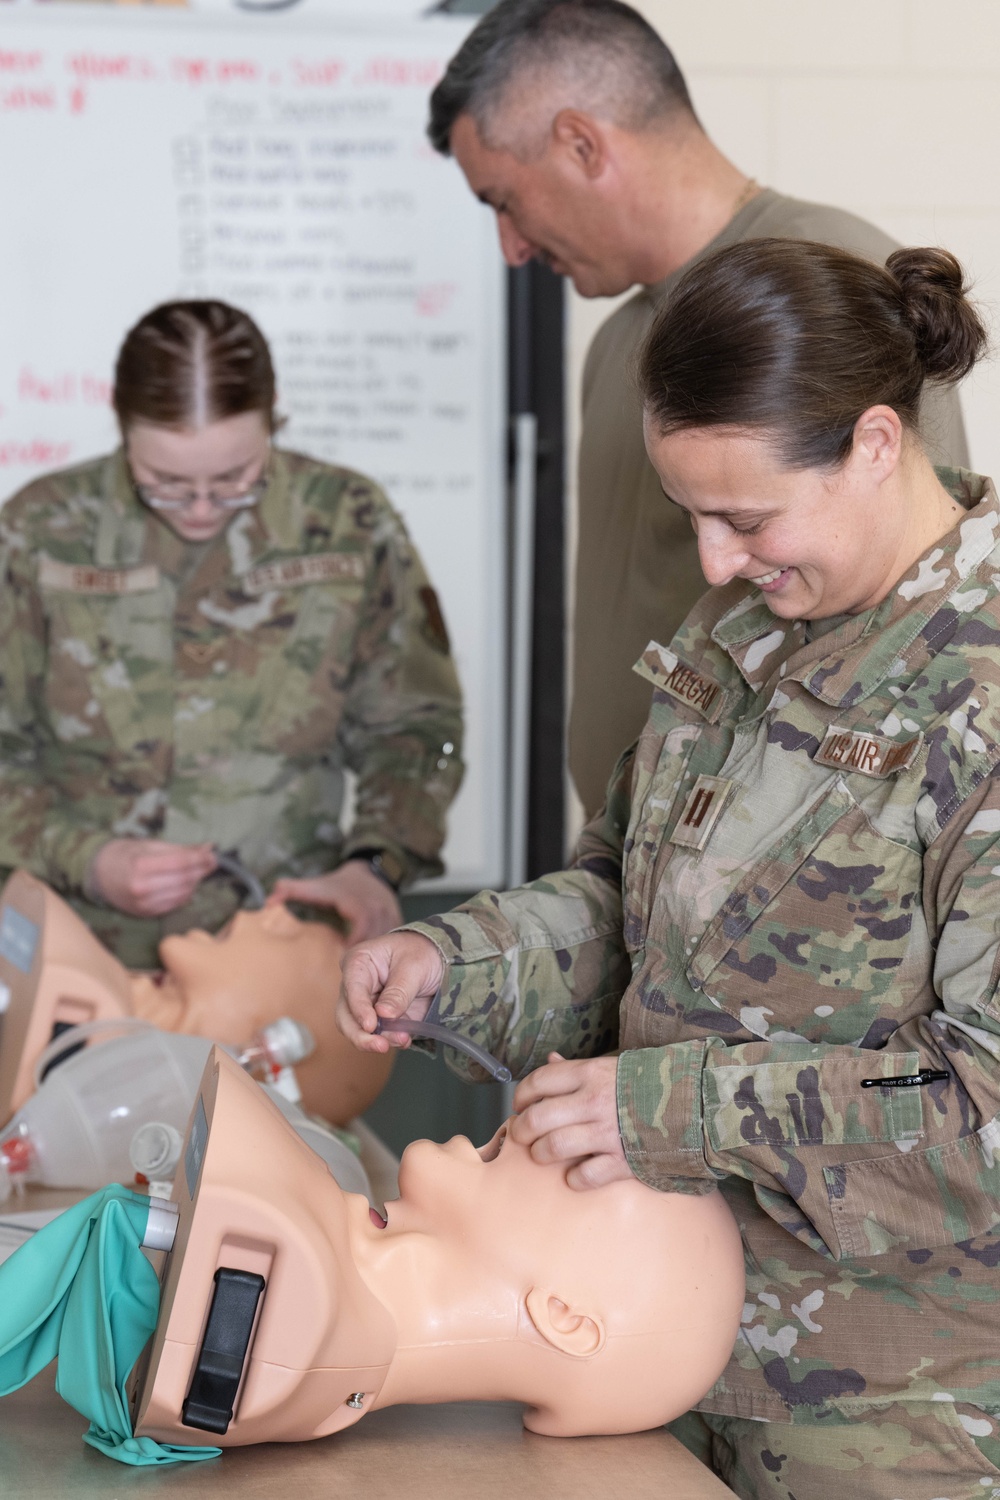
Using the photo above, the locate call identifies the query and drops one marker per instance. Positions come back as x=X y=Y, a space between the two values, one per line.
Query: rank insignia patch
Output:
x=701 y=812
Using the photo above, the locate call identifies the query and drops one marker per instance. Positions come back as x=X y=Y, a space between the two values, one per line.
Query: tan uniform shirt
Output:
x=637 y=570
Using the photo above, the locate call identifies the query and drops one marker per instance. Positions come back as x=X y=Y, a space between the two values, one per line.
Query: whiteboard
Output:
x=279 y=163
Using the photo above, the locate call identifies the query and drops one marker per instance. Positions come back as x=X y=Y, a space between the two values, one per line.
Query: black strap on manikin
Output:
x=219 y=1369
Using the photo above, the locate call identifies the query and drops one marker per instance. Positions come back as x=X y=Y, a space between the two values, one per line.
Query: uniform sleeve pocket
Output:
x=791 y=1104
x=589 y=1029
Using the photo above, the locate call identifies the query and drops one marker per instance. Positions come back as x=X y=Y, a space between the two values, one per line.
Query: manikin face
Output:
x=504 y=1283
x=262 y=965
x=816 y=544
x=258 y=954
x=547 y=209
x=221 y=458
x=459 y=1193
x=467 y=1220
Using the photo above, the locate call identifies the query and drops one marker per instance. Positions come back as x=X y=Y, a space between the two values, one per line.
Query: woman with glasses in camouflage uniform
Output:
x=200 y=633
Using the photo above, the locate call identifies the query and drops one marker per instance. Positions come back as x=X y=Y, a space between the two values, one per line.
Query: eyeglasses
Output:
x=169 y=496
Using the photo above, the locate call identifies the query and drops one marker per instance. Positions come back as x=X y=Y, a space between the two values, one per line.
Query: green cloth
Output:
x=81 y=1291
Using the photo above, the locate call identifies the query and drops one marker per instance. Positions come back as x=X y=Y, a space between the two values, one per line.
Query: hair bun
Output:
x=948 y=330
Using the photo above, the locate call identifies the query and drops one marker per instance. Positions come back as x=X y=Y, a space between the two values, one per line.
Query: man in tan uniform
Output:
x=572 y=121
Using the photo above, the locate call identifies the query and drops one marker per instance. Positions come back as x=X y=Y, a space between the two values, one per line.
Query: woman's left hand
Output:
x=568 y=1112
x=366 y=903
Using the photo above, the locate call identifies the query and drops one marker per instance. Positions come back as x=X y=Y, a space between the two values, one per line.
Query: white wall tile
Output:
x=964 y=35
x=899 y=141
x=783 y=35
x=736 y=113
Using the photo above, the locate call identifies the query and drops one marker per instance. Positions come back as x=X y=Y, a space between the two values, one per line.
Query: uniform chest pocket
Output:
x=304 y=667
x=107 y=683
x=820 y=931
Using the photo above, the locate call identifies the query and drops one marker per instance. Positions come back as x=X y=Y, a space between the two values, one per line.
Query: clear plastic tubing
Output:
x=434 y=1032
x=256 y=895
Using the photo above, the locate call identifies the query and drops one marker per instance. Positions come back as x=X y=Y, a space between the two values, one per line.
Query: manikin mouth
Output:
x=493 y=1147
x=377 y=1219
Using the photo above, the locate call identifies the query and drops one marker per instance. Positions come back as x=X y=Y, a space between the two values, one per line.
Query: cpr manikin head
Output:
x=605 y=1311
x=235 y=970
x=610 y=1310
x=263 y=965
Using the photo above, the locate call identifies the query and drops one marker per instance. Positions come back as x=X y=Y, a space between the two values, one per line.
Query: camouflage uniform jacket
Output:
x=156 y=688
x=791 y=891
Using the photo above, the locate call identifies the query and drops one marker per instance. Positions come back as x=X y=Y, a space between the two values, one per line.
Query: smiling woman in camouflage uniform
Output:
x=786 y=915
x=198 y=634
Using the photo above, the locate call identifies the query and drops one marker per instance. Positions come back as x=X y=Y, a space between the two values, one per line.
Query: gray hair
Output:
x=595 y=55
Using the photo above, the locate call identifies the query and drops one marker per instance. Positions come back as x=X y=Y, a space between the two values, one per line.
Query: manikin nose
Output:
x=516 y=250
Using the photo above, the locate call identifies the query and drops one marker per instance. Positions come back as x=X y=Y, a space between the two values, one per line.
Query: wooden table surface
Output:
x=469 y=1451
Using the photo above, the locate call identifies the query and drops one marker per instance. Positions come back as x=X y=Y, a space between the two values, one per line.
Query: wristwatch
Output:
x=383 y=863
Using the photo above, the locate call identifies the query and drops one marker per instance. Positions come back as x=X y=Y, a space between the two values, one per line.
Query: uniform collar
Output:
x=853 y=660
x=128 y=534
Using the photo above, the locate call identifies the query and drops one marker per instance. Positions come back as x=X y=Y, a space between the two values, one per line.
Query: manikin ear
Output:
x=560 y=1325
x=583 y=141
x=878 y=442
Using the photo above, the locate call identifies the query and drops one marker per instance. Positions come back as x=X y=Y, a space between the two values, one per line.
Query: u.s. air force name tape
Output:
x=870 y=754
x=294 y=572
